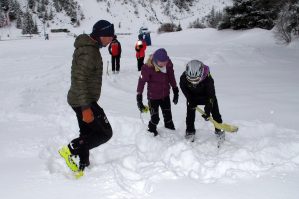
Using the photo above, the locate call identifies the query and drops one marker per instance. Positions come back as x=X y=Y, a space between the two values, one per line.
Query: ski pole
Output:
x=107 y=71
x=226 y=127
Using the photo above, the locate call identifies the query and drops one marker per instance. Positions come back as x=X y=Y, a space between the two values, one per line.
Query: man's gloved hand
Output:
x=175 y=95
x=205 y=116
x=87 y=115
x=140 y=105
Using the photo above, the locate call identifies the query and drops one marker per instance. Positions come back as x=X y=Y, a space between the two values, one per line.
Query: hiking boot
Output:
x=169 y=125
x=154 y=131
x=220 y=134
x=190 y=135
x=67 y=155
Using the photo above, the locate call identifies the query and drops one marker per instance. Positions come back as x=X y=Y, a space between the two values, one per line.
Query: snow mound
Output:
x=137 y=159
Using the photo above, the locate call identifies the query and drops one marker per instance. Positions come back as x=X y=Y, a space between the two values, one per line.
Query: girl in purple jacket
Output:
x=159 y=75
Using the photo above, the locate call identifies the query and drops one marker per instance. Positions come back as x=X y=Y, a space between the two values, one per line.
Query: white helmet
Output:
x=195 y=71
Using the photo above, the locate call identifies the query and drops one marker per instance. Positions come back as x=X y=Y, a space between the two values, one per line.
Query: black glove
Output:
x=140 y=105
x=205 y=116
x=175 y=95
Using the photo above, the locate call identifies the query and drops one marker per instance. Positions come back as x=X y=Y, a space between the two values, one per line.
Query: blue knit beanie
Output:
x=160 y=55
x=103 y=28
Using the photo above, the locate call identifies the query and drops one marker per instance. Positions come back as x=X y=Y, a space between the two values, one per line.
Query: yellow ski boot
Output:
x=67 y=155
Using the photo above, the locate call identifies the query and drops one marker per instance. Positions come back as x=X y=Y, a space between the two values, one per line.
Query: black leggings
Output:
x=191 y=113
x=115 y=59
x=140 y=63
x=91 y=134
x=154 y=110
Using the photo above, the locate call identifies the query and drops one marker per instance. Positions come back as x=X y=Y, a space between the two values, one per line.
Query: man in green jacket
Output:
x=85 y=91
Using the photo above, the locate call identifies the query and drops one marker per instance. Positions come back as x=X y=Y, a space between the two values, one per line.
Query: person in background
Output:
x=140 y=48
x=197 y=84
x=115 y=52
x=158 y=73
x=84 y=92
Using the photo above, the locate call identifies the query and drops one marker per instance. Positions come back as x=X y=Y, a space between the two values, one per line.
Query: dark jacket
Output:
x=202 y=93
x=158 y=83
x=87 y=70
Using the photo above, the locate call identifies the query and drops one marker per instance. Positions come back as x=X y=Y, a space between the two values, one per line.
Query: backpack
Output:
x=115 y=49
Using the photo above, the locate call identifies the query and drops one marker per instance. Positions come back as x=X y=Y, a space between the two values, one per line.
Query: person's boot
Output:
x=190 y=135
x=67 y=155
x=220 y=134
x=152 y=128
x=169 y=125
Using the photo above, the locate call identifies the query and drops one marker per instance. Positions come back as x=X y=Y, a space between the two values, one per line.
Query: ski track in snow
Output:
x=133 y=160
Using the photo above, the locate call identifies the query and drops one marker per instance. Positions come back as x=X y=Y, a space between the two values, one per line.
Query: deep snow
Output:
x=257 y=89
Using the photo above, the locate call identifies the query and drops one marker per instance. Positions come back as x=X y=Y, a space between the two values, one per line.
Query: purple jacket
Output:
x=158 y=83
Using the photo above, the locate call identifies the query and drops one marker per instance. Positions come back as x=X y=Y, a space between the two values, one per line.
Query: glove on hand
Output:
x=87 y=115
x=175 y=95
x=140 y=105
x=206 y=117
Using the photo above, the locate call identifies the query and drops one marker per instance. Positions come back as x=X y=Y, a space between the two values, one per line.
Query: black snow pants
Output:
x=154 y=110
x=91 y=134
x=191 y=113
x=115 y=60
x=140 y=63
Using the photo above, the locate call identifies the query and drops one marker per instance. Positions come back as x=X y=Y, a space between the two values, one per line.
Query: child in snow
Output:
x=115 y=52
x=140 y=48
x=197 y=85
x=159 y=75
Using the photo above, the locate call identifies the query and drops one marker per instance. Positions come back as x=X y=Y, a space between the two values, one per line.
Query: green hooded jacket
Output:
x=87 y=70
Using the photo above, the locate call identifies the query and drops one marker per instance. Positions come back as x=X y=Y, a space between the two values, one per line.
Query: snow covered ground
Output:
x=257 y=88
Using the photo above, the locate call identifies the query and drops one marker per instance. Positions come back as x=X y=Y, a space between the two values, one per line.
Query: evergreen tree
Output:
x=2 y=18
x=51 y=16
x=179 y=28
x=245 y=14
x=287 y=24
x=4 y=4
x=28 y=26
x=31 y=4
x=57 y=5
x=19 y=22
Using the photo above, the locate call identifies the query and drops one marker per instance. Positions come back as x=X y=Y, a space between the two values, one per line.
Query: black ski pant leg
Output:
x=113 y=63
x=215 y=111
x=140 y=63
x=166 y=110
x=190 y=119
x=117 y=58
x=91 y=134
x=154 y=111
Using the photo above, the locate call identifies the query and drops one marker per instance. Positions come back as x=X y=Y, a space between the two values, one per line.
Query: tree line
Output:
x=44 y=10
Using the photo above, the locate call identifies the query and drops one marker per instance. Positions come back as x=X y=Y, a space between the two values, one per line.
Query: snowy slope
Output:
x=127 y=15
x=256 y=84
x=130 y=16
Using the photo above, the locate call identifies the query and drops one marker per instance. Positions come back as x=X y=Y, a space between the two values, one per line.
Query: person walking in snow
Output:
x=140 y=48
x=197 y=84
x=158 y=73
x=85 y=91
x=115 y=52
